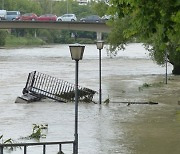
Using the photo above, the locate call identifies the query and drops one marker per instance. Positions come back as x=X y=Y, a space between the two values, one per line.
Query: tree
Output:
x=156 y=23
x=24 y=6
x=96 y=8
x=3 y=35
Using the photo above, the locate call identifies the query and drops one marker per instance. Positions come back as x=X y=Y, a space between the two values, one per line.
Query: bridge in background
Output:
x=80 y=26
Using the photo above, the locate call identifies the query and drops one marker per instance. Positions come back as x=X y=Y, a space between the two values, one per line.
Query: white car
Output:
x=67 y=17
x=3 y=14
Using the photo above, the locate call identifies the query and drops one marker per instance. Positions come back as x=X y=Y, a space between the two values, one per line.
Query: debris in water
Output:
x=40 y=86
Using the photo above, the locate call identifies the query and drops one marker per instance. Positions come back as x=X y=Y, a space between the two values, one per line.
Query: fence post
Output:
x=74 y=147
x=44 y=149
x=1 y=150
x=25 y=149
x=59 y=148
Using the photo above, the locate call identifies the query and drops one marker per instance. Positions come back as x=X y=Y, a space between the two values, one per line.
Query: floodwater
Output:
x=113 y=128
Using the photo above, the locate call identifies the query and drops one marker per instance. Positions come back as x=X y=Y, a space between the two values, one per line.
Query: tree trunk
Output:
x=176 y=69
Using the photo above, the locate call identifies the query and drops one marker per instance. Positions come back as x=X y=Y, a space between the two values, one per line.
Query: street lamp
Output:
x=76 y=51
x=100 y=45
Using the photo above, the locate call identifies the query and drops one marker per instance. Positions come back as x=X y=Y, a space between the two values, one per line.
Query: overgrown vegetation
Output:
x=148 y=85
x=3 y=35
x=155 y=23
x=178 y=115
x=38 y=132
x=12 y=41
x=83 y=95
x=107 y=101
x=6 y=141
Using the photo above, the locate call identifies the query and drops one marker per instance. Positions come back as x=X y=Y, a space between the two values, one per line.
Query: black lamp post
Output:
x=100 y=45
x=166 y=65
x=76 y=51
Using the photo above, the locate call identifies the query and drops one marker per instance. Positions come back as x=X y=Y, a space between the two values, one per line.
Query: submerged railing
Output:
x=41 y=85
x=44 y=144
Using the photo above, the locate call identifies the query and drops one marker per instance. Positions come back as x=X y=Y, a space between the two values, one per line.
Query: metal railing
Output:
x=43 y=85
x=44 y=144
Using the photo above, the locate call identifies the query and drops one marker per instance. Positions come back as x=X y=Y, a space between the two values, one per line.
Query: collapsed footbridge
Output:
x=40 y=85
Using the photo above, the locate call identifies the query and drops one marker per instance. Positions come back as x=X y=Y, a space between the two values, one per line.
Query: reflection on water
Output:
x=113 y=128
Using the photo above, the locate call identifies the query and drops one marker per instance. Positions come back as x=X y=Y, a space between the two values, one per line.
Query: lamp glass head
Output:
x=76 y=51
x=100 y=44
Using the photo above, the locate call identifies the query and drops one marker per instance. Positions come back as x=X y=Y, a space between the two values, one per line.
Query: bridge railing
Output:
x=44 y=144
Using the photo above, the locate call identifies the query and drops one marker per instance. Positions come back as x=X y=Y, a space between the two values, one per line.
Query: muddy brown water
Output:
x=113 y=128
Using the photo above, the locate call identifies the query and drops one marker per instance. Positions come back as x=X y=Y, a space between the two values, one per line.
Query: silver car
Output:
x=12 y=15
x=67 y=17
x=91 y=18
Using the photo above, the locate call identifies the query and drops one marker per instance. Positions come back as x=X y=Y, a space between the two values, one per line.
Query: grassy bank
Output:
x=12 y=41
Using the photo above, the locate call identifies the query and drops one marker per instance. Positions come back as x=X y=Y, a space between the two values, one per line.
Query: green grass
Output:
x=12 y=41
x=178 y=116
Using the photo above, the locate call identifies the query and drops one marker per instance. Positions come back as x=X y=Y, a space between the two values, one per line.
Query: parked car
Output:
x=91 y=18
x=47 y=17
x=12 y=15
x=3 y=14
x=29 y=16
x=67 y=17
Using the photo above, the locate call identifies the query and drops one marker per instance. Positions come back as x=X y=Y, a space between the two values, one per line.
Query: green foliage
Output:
x=107 y=101
x=7 y=141
x=3 y=35
x=82 y=95
x=46 y=35
x=147 y=85
x=117 y=38
x=38 y=131
x=155 y=23
x=24 y=6
x=178 y=115
x=96 y=8
x=12 y=41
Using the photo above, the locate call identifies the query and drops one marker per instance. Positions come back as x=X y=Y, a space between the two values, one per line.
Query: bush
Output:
x=3 y=35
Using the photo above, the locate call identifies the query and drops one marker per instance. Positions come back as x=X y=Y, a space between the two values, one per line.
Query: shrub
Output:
x=3 y=35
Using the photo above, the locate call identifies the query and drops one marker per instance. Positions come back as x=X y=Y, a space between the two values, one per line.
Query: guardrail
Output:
x=25 y=145
x=66 y=25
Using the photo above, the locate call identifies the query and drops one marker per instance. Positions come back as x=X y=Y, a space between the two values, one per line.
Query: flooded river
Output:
x=113 y=128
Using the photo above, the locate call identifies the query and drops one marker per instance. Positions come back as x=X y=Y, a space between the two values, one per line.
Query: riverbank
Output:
x=148 y=88
x=14 y=42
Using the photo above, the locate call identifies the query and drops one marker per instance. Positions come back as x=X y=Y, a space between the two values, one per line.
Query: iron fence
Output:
x=44 y=144
x=42 y=85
